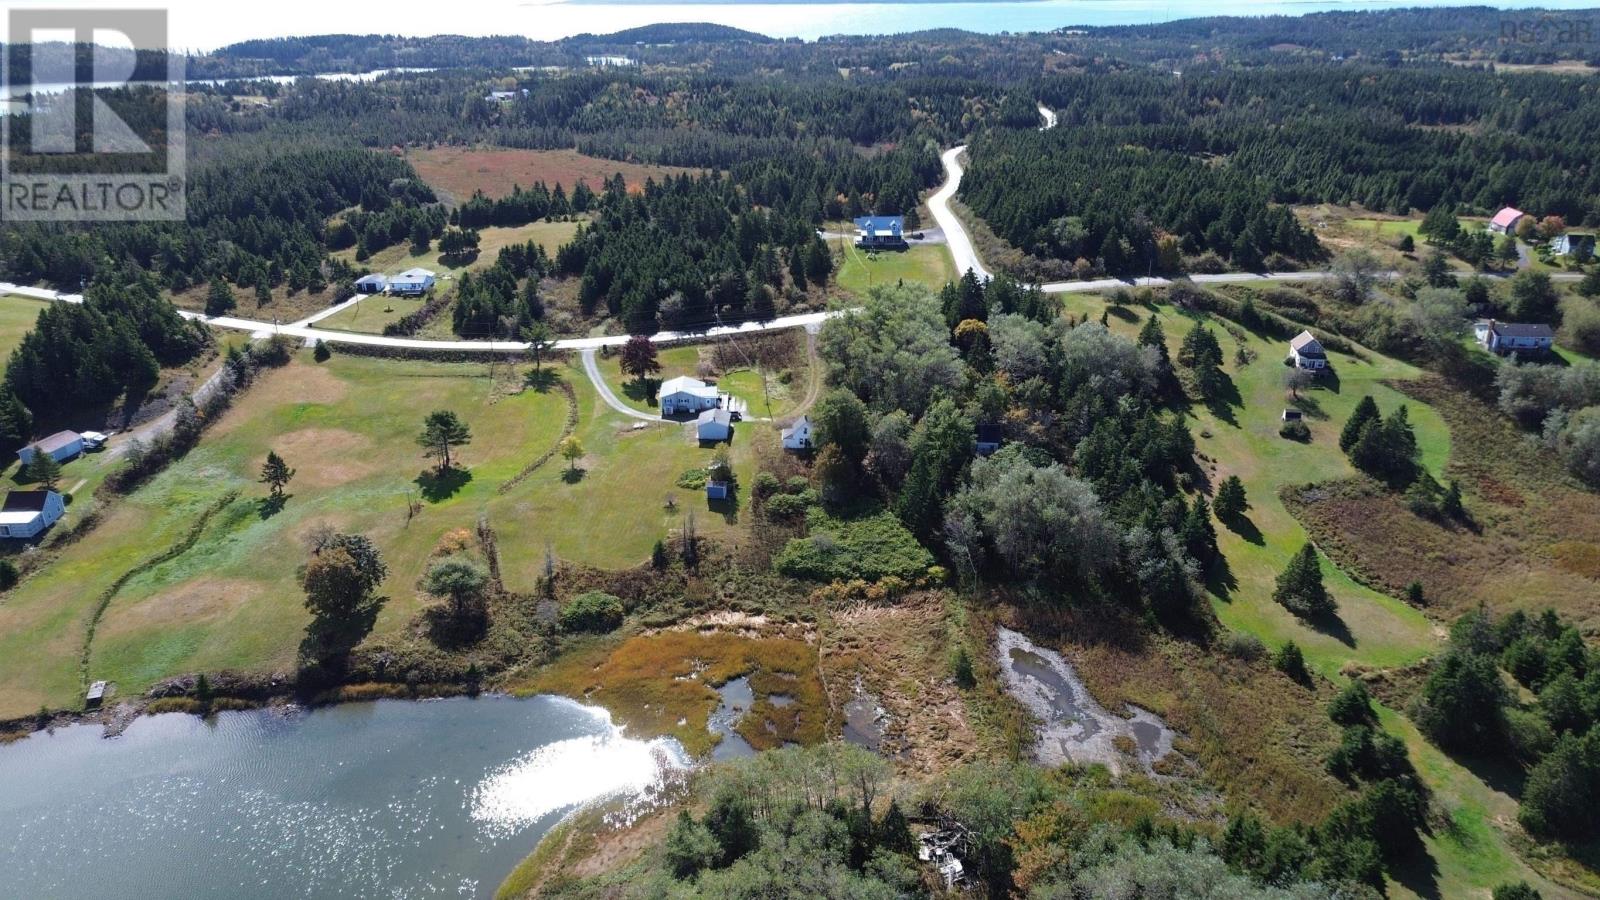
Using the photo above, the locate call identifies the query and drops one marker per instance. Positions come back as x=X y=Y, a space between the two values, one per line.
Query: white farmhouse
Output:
x=686 y=396
x=1307 y=353
x=797 y=437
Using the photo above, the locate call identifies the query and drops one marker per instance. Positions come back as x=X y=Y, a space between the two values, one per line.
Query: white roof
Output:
x=1304 y=339
x=414 y=275
x=802 y=422
x=21 y=517
x=683 y=384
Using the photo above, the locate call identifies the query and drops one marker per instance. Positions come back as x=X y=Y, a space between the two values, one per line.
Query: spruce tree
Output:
x=1199 y=536
x=1300 y=588
x=1366 y=411
x=1231 y=502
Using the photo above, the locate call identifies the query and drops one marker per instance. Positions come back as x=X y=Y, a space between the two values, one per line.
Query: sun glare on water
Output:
x=571 y=773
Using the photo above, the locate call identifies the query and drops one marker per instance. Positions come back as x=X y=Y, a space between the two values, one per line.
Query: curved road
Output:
x=955 y=234
x=592 y=369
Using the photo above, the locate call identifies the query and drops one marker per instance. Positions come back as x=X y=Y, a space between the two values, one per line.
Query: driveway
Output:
x=592 y=368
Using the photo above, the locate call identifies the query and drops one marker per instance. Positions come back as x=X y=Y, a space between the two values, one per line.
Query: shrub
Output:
x=594 y=611
x=1520 y=890
x=322 y=353
x=869 y=547
x=1244 y=646
x=1353 y=706
x=8 y=575
x=1295 y=430
x=1291 y=662
x=789 y=507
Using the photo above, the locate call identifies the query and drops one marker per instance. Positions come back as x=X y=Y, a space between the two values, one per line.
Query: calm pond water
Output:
x=392 y=799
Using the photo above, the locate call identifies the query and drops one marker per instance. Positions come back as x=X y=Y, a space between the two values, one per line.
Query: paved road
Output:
x=612 y=400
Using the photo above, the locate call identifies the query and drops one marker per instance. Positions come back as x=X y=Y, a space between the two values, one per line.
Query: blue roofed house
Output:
x=880 y=233
x=412 y=281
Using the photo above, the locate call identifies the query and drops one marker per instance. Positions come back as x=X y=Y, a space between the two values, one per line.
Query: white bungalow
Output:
x=686 y=396
x=1307 y=353
x=1513 y=337
x=797 y=437
x=412 y=281
x=29 y=514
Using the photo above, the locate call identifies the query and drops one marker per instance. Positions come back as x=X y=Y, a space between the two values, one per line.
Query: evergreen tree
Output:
x=1291 y=662
x=219 y=298
x=1231 y=502
x=45 y=470
x=1199 y=536
x=1299 y=588
x=16 y=422
x=275 y=473
x=1366 y=411
x=441 y=430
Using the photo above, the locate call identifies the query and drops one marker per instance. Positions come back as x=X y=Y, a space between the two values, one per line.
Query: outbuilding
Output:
x=374 y=283
x=714 y=425
x=28 y=514
x=63 y=445
x=797 y=437
x=95 y=695
x=685 y=396
x=1306 y=352
x=989 y=436
x=1577 y=246
x=1506 y=220
x=412 y=281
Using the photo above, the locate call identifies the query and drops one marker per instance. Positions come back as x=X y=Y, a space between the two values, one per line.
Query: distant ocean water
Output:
x=201 y=25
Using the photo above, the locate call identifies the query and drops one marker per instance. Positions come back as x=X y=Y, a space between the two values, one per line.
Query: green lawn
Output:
x=398 y=258
x=348 y=428
x=746 y=384
x=926 y=264
x=17 y=315
x=372 y=314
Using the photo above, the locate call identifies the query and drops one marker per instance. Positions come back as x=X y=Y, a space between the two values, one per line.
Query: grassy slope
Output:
x=742 y=383
x=372 y=314
x=1381 y=631
x=348 y=427
x=17 y=315
x=925 y=264
x=396 y=259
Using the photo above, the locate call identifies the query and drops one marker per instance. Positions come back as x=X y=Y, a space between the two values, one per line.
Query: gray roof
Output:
x=56 y=441
x=1518 y=330
x=720 y=416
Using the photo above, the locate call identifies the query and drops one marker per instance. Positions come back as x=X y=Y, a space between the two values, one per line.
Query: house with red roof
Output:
x=1505 y=221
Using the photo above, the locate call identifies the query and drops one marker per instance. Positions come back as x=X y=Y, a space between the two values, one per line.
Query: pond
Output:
x=392 y=798
x=1072 y=726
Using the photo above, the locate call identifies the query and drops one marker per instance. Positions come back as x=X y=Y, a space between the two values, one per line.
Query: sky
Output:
x=201 y=25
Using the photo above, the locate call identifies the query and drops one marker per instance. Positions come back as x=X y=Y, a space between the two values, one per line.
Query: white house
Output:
x=412 y=281
x=1307 y=352
x=1580 y=246
x=1510 y=337
x=28 y=514
x=1506 y=220
x=798 y=436
x=686 y=396
x=375 y=283
x=714 y=425
x=63 y=445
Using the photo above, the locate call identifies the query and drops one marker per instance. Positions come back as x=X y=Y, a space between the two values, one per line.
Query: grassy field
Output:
x=372 y=314
x=396 y=259
x=458 y=171
x=926 y=264
x=348 y=426
x=786 y=390
x=1374 y=629
x=17 y=315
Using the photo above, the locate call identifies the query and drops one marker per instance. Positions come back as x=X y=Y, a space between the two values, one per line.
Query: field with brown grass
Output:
x=1534 y=539
x=458 y=171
